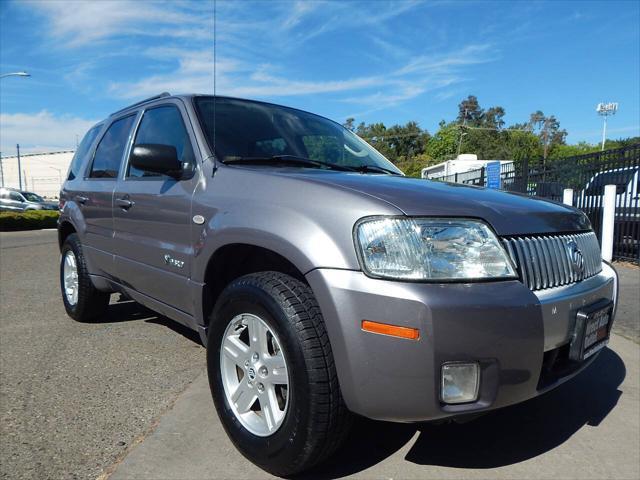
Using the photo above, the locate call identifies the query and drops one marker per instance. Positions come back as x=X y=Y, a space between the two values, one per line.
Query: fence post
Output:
x=567 y=196
x=608 y=216
x=525 y=175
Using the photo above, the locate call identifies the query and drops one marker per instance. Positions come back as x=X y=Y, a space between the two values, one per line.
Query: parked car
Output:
x=322 y=281
x=627 y=201
x=20 y=201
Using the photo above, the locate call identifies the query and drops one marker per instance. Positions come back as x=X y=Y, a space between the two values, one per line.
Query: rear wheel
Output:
x=272 y=374
x=82 y=301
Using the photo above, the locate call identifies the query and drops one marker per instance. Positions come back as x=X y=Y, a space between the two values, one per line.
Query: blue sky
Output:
x=375 y=61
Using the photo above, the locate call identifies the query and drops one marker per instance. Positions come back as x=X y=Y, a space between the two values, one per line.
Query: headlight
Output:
x=430 y=249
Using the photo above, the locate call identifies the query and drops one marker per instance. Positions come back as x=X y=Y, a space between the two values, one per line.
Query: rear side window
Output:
x=106 y=161
x=163 y=126
x=82 y=151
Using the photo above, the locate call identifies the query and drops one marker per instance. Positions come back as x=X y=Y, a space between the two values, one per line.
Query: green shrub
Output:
x=30 y=220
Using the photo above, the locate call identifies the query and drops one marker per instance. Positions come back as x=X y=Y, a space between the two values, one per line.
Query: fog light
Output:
x=460 y=382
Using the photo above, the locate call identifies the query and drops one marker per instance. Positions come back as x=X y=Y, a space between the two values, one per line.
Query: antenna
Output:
x=215 y=61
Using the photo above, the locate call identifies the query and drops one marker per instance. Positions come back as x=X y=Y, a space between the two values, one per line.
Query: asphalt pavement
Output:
x=127 y=398
x=74 y=397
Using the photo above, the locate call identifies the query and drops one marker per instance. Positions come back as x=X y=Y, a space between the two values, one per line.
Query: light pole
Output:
x=604 y=110
x=59 y=173
x=15 y=74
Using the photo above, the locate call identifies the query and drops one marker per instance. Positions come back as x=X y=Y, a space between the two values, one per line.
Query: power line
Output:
x=417 y=134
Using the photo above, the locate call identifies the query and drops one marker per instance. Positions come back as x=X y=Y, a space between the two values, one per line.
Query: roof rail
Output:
x=141 y=102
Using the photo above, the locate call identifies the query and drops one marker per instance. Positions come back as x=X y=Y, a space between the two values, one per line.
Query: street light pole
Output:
x=604 y=110
x=19 y=167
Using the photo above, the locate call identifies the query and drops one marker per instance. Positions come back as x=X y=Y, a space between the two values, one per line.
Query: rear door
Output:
x=152 y=213
x=95 y=194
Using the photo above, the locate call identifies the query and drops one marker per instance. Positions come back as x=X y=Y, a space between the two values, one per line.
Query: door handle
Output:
x=124 y=203
x=82 y=200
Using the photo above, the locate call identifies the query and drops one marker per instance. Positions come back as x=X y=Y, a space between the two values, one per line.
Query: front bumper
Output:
x=511 y=331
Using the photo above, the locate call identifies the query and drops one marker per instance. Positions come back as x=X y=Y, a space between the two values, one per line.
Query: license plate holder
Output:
x=592 y=330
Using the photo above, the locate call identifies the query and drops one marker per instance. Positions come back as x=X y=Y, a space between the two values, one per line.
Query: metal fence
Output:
x=586 y=175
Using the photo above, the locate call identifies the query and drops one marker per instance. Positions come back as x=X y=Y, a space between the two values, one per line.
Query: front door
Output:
x=95 y=195
x=152 y=214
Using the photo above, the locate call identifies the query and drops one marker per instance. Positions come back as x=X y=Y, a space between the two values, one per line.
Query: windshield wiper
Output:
x=374 y=168
x=286 y=160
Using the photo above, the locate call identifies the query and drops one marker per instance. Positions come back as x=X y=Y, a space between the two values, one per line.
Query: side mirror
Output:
x=156 y=158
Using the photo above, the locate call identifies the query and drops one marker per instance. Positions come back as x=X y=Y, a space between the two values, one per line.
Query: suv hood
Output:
x=507 y=213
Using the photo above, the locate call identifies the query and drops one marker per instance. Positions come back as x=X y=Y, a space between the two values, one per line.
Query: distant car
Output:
x=20 y=201
x=627 y=201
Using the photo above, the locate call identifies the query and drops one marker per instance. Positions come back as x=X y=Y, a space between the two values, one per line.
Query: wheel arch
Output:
x=231 y=261
x=65 y=228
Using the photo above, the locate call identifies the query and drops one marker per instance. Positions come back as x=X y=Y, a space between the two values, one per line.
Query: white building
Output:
x=463 y=163
x=42 y=173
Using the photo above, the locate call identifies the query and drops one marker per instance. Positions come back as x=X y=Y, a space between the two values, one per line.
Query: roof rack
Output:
x=141 y=102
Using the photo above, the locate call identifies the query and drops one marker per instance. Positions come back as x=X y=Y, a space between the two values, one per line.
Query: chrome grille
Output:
x=549 y=261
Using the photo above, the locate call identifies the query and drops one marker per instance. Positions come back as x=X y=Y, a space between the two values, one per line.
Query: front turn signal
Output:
x=391 y=330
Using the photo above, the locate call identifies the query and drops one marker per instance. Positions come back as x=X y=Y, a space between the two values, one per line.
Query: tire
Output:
x=315 y=420
x=89 y=302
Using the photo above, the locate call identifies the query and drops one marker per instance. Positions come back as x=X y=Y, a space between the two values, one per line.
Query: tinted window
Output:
x=82 y=151
x=243 y=128
x=163 y=126
x=106 y=162
x=16 y=197
x=32 y=197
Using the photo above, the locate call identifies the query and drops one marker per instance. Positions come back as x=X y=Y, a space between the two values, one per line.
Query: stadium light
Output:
x=604 y=110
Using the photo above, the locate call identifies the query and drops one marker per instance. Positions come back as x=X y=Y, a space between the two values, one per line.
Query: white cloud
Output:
x=81 y=23
x=194 y=73
x=184 y=61
x=39 y=132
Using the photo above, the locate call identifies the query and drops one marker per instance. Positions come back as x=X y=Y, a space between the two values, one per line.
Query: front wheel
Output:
x=272 y=374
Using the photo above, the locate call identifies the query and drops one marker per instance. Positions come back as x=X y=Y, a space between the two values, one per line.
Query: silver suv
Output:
x=21 y=201
x=322 y=281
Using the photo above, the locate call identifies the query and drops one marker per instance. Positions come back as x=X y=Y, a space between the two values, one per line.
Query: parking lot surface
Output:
x=127 y=398
x=74 y=397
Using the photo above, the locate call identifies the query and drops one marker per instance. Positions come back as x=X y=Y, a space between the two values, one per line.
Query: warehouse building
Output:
x=42 y=173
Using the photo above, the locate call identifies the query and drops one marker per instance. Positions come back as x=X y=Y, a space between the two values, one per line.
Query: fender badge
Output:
x=173 y=262
x=198 y=219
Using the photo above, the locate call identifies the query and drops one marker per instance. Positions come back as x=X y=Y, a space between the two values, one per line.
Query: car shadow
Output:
x=499 y=438
x=122 y=309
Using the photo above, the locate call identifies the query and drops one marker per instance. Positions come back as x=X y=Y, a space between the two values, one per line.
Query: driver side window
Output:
x=163 y=126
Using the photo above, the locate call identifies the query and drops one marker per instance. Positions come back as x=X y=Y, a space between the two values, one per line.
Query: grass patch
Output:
x=29 y=220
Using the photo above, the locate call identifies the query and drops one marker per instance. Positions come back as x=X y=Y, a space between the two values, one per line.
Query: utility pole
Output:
x=19 y=167
x=604 y=110
x=462 y=133
x=1 y=170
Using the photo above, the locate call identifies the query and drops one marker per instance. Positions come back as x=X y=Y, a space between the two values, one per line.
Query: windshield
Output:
x=246 y=129
x=32 y=197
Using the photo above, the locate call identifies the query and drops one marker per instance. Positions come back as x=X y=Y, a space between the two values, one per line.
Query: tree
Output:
x=444 y=143
x=349 y=124
x=470 y=112
x=548 y=131
x=493 y=118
